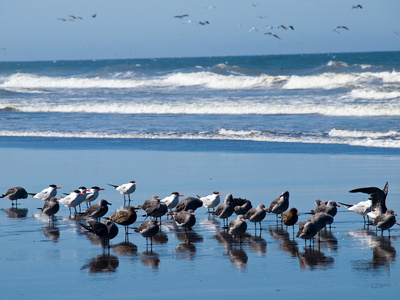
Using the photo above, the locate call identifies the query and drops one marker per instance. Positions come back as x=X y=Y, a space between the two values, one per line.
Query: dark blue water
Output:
x=342 y=99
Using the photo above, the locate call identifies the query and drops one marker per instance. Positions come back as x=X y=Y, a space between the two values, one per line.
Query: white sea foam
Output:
x=373 y=94
x=223 y=134
x=364 y=134
x=204 y=79
x=211 y=108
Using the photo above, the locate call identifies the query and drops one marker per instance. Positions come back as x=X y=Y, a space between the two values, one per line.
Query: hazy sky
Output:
x=33 y=29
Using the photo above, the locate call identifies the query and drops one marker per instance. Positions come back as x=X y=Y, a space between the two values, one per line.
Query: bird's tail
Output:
x=2 y=196
x=32 y=194
x=113 y=185
x=347 y=205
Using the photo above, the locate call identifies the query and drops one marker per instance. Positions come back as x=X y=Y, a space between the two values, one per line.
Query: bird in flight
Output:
x=94 y=15
x=357 y=6
x=286 y=27
x=76 y=17
x=181 y=16
x=273 y=34
x=253 y=29
x=204 y=23
x=340 y=27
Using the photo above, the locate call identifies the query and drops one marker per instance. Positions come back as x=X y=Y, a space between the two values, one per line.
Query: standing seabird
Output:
x=125 y=189
x=172 y=201
x=185 y=219
x=188 y=203
x=256 y=215
x=125 y=218
x=47 y=193
x=241 y=206
x=224 y=211
x=96 y=211
x=290 y=217
x=238 y=227
x=51 y=207
x=105 y=231
x=72 y=200
x=156 y=209
x=378 y=198
x=307 y=231
x=362 y=208
x=279 y=205
x=321 y=219
x=148 y=230
x=329 y=207
x=211 y=201
x=385 y=221
x=92 y=194
x=15 y=193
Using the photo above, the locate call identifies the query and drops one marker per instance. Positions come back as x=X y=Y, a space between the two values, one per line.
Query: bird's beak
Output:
x=219 y=195
x=101 y=189
x=193 y=214
x=244 y=220
x=337 y=205
x=180 y=195
x=264 y=209
x=58 y=187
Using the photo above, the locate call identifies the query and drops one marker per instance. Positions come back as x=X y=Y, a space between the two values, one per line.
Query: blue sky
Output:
x=32 y=30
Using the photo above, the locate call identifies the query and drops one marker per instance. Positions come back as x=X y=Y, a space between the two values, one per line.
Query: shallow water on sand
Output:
x=63 y=261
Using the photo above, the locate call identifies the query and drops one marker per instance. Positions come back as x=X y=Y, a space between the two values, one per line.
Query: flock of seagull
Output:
x=182 y=212
x=337 y=29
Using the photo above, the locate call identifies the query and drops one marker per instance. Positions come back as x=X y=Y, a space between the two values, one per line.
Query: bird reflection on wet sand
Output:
x=125 y=249
x=328 y=240
x=238 y=257
x=288 y=245
x=151 y=259
x=312 y=259
x=52 y=232
x=104 y=263
x=15 y=212
x=383 y=252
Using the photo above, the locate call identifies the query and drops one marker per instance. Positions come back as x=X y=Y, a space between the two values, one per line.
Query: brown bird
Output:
x=15 y=193
x=125 y=218
x=290 y=217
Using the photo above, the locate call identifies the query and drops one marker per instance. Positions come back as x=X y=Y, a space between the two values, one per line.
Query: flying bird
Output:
x=204 y=23
x=357 y=6
x=286 y=27
x=340 y=27
x=94 y=15
x=181 y=16
x=273 y=34
x=253 y=29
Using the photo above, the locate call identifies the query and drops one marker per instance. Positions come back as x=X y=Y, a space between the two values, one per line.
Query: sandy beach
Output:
x=63 y=261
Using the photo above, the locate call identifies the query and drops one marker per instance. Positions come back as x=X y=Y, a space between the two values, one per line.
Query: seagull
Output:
x=125 y=189
x=340 y=27
x=329 y=207
x=224 y=211
x=211 y=201
x=47 y=193
x=253 y=29
x=238 y=227
x=181 y=16
x=92 y=195
x=96 y=211
x=15 y=193
x=256 y=215
x=279 y=205
x=286 y=27
x=204 y=23
x=385 y=221
x=241 y=206
x=51 y=207
x=362 y=208
x=105 y=231
x=94 y=15
x=378 y=198
x=188 y=203
x=185 y=219
x=273 y=34
x=148 y=230
x=307 y=231
x=357 y=6
x=75 y=17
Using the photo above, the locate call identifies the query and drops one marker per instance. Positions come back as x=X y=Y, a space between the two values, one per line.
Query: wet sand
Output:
x=62 y=261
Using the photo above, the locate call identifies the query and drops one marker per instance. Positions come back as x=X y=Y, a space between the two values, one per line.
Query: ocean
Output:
x=308 y=103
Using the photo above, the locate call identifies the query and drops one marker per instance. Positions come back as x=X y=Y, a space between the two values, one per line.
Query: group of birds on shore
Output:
x=182 y=212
